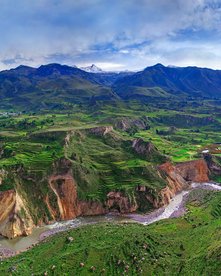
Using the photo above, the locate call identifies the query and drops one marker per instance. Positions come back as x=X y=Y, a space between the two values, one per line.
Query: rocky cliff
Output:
x=15 y=219
x=69 y=206
x=213 y=163
x=15 y=213
x=176 y=183
x=177 y=178
x=65 y=190
x=195 y=171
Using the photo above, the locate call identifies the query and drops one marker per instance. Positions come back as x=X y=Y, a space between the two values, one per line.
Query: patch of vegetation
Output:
x=7 y=183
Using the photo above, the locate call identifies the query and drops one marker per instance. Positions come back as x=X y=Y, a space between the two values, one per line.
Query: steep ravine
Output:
x=16 y=218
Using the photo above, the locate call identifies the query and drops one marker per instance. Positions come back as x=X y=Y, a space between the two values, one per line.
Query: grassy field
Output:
x=35 y=141
x=190 y=245
x=182 y=145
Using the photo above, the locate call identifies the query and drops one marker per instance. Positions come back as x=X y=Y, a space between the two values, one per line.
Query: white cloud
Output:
x=116 y=34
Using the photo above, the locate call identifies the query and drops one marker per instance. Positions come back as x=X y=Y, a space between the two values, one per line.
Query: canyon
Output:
x=16 y=219
x=79 y=149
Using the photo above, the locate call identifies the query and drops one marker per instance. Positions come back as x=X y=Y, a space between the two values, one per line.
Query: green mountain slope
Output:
x=181 y=81
x=60 y=87
x=50 y=86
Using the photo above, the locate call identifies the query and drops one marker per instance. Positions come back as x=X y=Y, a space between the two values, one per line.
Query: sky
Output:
x=113 y=34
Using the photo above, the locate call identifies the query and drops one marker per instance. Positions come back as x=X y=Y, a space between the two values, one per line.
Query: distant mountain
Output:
x=56 y=86
x=161 y=80
x=92 y=69
x=50 y=86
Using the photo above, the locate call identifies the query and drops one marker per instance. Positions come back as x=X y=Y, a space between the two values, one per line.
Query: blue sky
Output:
x=113 y=34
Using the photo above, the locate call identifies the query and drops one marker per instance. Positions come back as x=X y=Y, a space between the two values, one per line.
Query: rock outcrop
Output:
x=127 y=124
x=176 y=183
x=117 y=201
x=65 y=189
x=148 y=151
x=15 y=219
x=213 y=163
x=178 y=177
x=142 y=147
x=195 y=171
x=100 y=130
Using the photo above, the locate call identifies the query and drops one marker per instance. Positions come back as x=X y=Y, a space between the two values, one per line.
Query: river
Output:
x=175 y=208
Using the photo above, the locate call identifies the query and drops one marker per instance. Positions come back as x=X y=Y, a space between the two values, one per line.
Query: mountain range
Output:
x=92 y=69
x=189 y=81
x=53 y=85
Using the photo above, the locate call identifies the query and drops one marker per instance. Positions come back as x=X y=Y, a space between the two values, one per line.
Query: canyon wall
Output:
x=65 y=189
x=176 y=183
x=194 y=171
x=15 y=219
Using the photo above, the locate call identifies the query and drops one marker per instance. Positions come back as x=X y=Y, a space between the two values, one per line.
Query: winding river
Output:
x=175 y=208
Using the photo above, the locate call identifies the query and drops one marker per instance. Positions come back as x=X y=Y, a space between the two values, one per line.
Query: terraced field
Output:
x=36 y=140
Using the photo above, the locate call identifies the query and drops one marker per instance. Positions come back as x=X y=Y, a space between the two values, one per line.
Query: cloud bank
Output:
x=116 y=35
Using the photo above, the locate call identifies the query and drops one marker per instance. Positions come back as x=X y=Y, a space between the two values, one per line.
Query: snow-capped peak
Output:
x=92 y=69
